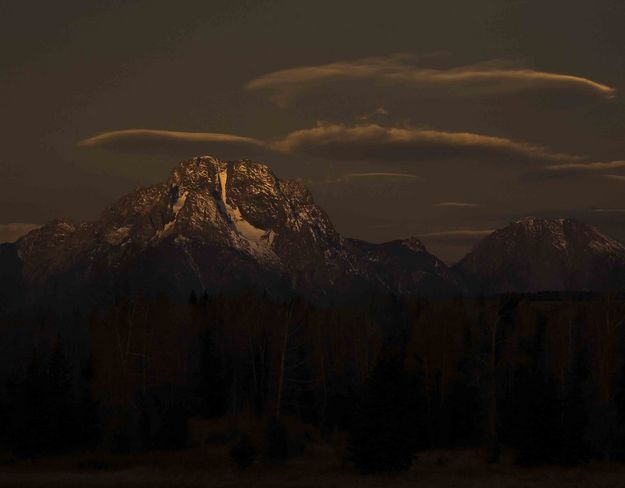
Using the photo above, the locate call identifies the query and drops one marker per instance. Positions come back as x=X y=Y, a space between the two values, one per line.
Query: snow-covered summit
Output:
x=220 y=224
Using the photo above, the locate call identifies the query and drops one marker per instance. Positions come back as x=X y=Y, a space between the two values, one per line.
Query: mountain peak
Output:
x=203 y=166
x=531 y=220
x=414 y=244
x=536 y=254
x=215 y=225
x=566 y=232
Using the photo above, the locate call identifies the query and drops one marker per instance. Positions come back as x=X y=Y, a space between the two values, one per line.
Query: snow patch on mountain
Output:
x=243 y=227
x=258 y=241
x=179 y=203
x=215 y=224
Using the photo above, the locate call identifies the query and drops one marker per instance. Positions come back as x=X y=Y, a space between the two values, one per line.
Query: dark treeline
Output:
x=540 y=375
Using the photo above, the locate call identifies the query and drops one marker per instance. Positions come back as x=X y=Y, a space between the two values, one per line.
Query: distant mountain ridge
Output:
x=219 y=226
x=533 y=255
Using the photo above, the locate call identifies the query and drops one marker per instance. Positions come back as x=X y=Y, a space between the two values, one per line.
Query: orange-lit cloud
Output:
x=460 y=233
x=337 y=142
x=118 y=136
x=369 y=176
x=398 y=70
x=585 y=167
x=380 y=175
x=180 y=144
x=373 y=142
x=608 y=210
x=12 y=232
x=458 y=204
x=615 y=177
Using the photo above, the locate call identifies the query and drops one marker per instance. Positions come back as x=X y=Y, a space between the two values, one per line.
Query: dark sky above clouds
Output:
x=441 y=119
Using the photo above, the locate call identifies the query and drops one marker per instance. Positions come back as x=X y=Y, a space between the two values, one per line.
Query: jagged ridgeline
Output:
x=124 y=331
x=218 y=226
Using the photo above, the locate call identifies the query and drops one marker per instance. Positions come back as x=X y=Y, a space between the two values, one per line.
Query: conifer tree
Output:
x=575 y=413
x=383 y=436
x=63 y=426
x=537 y=412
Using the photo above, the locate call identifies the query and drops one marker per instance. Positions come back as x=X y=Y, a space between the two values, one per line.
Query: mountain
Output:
x=221 y=226
x=217 y=226
x=533 y=254
x=399 y=265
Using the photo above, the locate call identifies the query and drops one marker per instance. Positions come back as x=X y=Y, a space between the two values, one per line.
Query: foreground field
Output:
x=210 y=468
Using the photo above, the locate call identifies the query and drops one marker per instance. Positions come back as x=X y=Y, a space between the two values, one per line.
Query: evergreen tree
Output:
x=575 y=414
x=4 y=421
x=88 y=409
x=64 y=427
x=619 y=401
x=213 y=379
x=28 y=409
x=537 y=412
x=383 y=436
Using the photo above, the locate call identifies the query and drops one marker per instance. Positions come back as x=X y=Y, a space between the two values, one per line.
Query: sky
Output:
x=437 y=119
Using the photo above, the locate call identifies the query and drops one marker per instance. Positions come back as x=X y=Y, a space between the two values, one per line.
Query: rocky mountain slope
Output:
x=217 y=226
x=532 y=255
x=233 y=225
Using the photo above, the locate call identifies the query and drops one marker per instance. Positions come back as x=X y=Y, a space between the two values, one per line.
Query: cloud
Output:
x=457 y=204
x=400 y=70
x=576 y=169
x=373 y=142
x=370 y=176
x=585 y=167
x=378 y=112
x=336 y=142
x=608 y=210
x=460 y=233
x=455 y=242
x=150 y=141
x=615 y=177
x=380 y=175
x=13 y=231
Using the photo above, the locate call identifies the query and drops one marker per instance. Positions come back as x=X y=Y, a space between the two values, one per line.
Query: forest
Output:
x=539 y=376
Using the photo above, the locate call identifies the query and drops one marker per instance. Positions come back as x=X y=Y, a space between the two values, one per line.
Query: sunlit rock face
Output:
x=533 y=254
x=221 y=226
x=216 y=226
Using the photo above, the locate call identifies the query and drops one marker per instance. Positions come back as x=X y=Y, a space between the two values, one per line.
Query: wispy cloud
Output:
x=13 y=231
x=585 y=167
x=458 y=204
x=608 y=210
x=380 y=175
x=133 y=135
x=401 y=70
x=460 y=233
x=378 y=112
x=375 y=176
x=337 y=142
x=615 y=177
x=176 y=143
x=372 y=142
